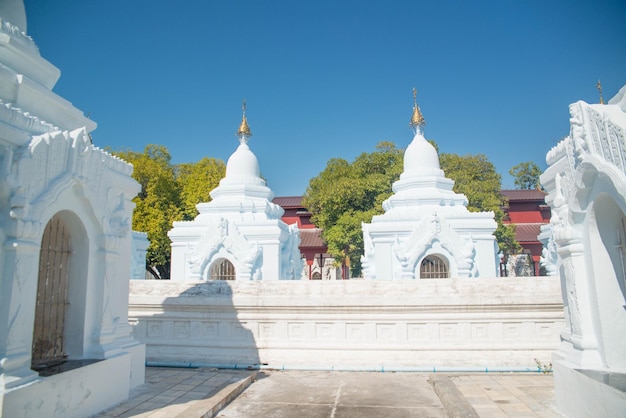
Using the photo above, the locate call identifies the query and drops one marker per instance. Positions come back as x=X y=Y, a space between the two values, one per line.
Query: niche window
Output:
x=434 y=267
x=222 y=269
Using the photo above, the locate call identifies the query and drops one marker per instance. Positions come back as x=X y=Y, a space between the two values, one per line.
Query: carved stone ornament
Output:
x=55 y=162
x=291 y=261
x=594 y=140
x=424 y=235
x=368 y=258
x=224 y=236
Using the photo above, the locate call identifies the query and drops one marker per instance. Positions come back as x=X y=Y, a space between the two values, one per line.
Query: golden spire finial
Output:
x=417 y=120
x=244 y=129
x=599 y=87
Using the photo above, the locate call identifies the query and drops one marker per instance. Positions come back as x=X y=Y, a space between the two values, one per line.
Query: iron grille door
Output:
x=51 y=295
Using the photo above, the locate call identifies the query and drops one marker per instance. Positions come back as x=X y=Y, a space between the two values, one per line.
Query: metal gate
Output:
x=51 y=295
x=433 y=267
x=222 y=269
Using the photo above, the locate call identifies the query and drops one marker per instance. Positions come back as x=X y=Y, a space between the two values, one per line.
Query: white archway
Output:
x=59 y=326
x=606 y=256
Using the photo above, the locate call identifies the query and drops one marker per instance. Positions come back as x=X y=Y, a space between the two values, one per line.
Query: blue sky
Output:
x=329 y=79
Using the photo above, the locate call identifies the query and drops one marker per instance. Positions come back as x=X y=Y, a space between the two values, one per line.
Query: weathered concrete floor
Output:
x=355 y=394
x=172 y=392
x=306 y=394
x=497 y=395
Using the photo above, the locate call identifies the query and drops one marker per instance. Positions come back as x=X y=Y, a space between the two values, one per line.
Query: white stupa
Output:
x=239 y=235
x=426 y=230
x=65 y=258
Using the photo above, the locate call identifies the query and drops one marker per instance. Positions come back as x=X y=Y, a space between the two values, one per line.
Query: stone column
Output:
x=17 y=301
x=579 y=334
x=110 y=318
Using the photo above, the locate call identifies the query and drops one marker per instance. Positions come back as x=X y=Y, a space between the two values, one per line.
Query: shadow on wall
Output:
x=198 y=325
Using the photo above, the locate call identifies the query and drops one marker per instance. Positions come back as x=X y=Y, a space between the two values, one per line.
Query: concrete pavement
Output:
x=179 y=392
x=499 y=395
x=305 y=394
x=174 y=392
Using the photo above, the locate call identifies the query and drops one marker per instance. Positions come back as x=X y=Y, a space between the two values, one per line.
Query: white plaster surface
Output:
x=423 y=217
x=357 y=324
x=548 y=254
x=76 y=393
x=139 y=248
x=586 y=185
x=580 y=396
x=49 y=167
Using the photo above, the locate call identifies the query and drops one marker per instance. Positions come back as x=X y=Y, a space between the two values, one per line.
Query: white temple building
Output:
x=426 y=230
x=239 y=234
x=66 y=347
x=586 y=185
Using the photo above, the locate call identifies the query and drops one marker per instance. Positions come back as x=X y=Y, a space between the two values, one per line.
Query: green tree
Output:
x=526 y=175
x=476 y=177
x=345 y=194
x=195 y=181
x=168 y=193
x=158 y=202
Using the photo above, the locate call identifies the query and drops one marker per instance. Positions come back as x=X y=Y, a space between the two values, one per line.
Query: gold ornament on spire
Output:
x=417 y=120
x=599 y=87
x=244 y=129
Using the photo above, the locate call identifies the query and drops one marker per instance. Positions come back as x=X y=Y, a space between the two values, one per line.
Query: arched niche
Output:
x=222 y=269
x=60 y=306
x=434 y=266
x=606 y=256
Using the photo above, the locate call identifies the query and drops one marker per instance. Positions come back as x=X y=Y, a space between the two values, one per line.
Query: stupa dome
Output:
x=242 y=168
x=420 y=155
x=242 y=164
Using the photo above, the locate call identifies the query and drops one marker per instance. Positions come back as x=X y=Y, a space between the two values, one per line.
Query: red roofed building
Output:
x=312 y=246
x=527 y=210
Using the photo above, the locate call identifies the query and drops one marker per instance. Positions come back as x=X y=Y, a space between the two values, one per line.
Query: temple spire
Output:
x=244 y=130
x=599 y=87
x=417 y=120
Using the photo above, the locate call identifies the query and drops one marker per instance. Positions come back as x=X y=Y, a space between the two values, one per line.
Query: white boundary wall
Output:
x=444 y=324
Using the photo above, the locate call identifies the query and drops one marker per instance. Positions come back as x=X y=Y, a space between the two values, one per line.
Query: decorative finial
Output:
x=599 y=87
x=417 y=120
x=244 y=130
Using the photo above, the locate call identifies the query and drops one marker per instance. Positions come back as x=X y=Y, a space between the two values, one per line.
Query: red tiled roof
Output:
x=527 y=232
x=311 y=238
x=523 y=194
x=288 y=201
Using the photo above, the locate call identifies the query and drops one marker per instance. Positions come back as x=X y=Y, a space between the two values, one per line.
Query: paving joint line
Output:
x=454 y=403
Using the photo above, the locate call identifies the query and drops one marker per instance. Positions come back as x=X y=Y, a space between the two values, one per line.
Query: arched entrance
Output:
x=434 y=267
x=52 y=290
x=222 y=269
x=606 y=255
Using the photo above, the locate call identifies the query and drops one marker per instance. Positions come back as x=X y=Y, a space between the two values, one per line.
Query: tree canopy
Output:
x=346 y=194
x=195 y=182
x=476 y=177
x=168 y=193
x=526 y=175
